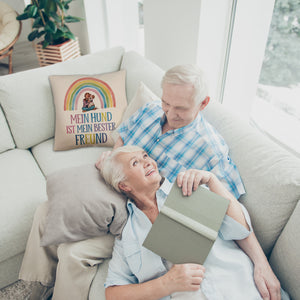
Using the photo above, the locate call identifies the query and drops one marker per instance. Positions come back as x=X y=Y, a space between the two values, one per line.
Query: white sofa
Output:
x=27 y=119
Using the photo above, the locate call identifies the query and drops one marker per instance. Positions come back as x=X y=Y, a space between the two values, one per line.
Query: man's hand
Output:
x=101 y=159
x=189 y=180
x=183 y=277
x=266 y=282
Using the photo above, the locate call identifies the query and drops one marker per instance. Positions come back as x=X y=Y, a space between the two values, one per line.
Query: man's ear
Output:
x=124 y=187
x=204 y=103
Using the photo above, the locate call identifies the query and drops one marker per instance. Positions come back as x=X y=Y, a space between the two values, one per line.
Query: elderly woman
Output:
x=137 y=273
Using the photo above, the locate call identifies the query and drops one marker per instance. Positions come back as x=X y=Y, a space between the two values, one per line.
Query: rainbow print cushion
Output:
x=88 y=108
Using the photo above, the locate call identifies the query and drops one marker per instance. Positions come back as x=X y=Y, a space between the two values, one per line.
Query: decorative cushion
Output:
x=81 y=206
x=88 y=108
x=33 y=94
x=142 y=96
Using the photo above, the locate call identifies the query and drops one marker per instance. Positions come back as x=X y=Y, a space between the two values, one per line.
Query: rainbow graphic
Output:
x=101 y=90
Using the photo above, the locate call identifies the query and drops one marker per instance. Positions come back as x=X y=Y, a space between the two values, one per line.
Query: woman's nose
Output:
x=146 y=163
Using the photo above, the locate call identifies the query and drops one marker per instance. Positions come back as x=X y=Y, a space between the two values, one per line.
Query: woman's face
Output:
x=140 y=170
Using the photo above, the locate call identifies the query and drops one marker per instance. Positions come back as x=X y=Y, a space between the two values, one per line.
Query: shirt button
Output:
x=157 y=140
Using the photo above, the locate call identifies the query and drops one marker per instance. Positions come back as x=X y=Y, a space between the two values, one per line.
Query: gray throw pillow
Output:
x=81 y=206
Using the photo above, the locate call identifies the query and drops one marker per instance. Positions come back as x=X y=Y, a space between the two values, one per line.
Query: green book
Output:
x=187 y=226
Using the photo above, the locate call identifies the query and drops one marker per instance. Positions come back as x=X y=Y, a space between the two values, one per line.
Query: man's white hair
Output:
x=112 y=170
x=188 y=74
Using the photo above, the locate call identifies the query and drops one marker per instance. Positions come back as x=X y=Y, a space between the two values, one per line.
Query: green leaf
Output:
x=41 y=33
x=64 y=28
x=32 y=11
x=60 y=5
x=27 y=8
x=23 y=16
x=56 y=17
x=51 y=27
x=70 y=35
x=45 y=44
x=33 y=35
x=49 y=37
x=42 y=4
x=50 y=6
x=71 y=19
x=37 y=23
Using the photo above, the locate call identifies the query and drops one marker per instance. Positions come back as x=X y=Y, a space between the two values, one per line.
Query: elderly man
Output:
x=176 y=135
x=141 y=274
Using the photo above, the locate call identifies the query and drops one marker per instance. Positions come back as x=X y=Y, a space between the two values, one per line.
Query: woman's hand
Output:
x=183 y=277
x=189 y=180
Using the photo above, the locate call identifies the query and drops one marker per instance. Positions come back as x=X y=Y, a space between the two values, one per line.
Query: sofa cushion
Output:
x=88 y=108
x=82 y=206
x=285 y=255
x=29 y=127
x=23 y=187
x=142 y=96
x=270 y=174
x=6 y=141
x=51 y=161
x=140 y=69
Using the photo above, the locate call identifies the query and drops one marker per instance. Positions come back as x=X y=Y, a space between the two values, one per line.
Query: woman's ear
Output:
x=124 y=187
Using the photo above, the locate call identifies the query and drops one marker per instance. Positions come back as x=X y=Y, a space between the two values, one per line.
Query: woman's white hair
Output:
x=112 y=170
x=188 y=74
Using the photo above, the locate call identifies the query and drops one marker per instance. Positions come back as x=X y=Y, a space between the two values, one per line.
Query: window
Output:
x=276 y=109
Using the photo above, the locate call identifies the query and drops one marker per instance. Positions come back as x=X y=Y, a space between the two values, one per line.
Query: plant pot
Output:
x=57 y=53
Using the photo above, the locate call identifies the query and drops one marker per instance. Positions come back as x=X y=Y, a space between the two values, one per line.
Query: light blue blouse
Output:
x=229 y=271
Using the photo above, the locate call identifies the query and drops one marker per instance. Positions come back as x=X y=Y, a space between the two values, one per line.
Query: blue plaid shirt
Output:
x=195 y=146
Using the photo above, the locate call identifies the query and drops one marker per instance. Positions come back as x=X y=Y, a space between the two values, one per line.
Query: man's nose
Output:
x=170 y=112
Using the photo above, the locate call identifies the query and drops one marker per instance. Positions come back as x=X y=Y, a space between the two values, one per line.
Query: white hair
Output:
x=112 y=170
x=188 y=74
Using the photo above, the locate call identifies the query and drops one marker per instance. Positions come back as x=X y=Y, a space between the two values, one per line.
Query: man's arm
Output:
x=190 y=180
x=264 y=277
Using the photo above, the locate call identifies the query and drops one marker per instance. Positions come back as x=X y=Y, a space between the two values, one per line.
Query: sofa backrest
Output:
x=140 y=69
x=26 y=97
x=6 y=141
x=270 y=174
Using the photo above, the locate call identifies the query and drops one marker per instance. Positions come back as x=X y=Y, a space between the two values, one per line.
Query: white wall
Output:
x=190 y=31
x=171 y=31
x=123 y=23
x=95 y=32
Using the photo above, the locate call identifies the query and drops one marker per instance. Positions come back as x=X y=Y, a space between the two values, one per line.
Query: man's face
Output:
x=179 y=105
x=140 y=170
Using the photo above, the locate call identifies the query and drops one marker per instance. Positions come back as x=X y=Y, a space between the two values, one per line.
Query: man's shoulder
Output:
x=150 y=109
x=153 y=105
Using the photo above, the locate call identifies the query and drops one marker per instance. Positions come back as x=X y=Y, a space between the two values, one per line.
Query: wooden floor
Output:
x=23 y=58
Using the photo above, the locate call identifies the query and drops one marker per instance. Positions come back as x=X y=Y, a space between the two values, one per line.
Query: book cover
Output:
x=187 y=226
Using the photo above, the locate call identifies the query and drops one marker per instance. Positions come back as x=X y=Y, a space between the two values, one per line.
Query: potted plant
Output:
x=49 y=25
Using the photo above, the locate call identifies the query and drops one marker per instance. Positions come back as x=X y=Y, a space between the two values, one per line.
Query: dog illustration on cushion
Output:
x=88 y=102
